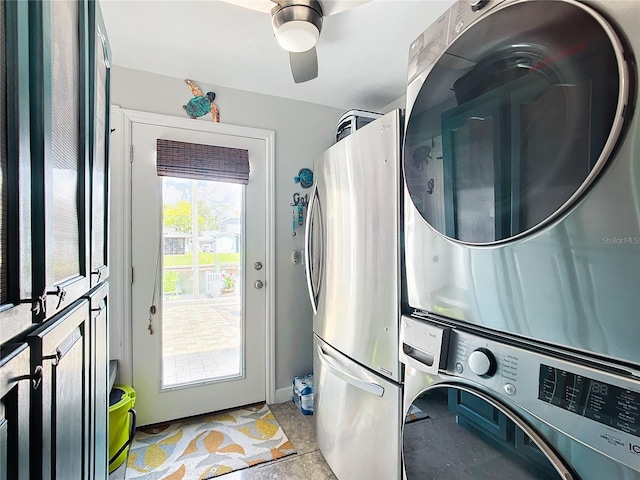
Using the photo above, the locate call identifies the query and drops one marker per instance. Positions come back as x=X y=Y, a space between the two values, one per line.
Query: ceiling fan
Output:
x=297 y=25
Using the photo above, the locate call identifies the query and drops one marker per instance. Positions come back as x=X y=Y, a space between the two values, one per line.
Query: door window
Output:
x=514 y=121
x=201 y=281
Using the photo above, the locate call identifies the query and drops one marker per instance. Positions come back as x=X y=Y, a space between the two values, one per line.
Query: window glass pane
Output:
x=202 y=271
x=65 y=139
x=98 y=258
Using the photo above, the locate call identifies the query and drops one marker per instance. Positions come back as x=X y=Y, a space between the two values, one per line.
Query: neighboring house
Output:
x=221 y=242
x=232 y=224
x=226 y=240
x=175 y=243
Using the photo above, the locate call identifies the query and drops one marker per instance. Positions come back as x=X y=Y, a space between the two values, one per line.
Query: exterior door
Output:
x=198 y=278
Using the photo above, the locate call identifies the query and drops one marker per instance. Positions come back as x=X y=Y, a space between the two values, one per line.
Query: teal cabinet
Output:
x=60 y=406
x=59 y=99
x=99 y=102
x=15 y=393
x=16 y=263
x=54 y=143
x=98 y=381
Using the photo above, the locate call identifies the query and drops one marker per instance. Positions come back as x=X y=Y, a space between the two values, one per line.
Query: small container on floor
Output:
x=303 y=393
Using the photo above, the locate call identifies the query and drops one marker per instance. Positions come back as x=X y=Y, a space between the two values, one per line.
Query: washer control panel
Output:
x=596 y=407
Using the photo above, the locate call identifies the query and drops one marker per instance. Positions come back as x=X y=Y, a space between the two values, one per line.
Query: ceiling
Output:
x=362 y=52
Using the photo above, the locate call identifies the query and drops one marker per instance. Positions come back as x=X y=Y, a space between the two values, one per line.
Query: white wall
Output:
x=400 y=102
x=303 y=131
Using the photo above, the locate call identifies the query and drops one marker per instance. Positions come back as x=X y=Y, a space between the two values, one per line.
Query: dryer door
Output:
x=514 y=120
x=455 y=432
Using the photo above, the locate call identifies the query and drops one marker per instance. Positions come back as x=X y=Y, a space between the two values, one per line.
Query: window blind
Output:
x=67 y=141
x=202 y=162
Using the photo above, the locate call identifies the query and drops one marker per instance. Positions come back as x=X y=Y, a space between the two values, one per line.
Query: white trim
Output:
x=179 y=122
x=268 y=136
x=120 y=246
x=270 y=333
x=283 y=395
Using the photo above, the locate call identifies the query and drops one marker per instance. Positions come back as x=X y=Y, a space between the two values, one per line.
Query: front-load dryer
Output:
x=522 y=170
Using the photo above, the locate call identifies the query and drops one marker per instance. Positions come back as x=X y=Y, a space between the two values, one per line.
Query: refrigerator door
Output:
x=357 y=417
x=352 y=245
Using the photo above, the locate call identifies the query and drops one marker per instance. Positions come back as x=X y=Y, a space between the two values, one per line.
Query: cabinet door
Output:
x=99 y=128
x=60 y=407
x=15 y=172
x=14 y=413
x=99 y=382
x=59 y=149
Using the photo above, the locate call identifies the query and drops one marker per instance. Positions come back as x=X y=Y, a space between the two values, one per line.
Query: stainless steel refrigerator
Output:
x=352 y=247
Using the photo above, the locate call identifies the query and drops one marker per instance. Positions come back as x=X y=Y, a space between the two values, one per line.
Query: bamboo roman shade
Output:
x=202 y=162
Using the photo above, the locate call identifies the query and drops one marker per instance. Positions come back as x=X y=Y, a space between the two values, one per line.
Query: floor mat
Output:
x=207 y=446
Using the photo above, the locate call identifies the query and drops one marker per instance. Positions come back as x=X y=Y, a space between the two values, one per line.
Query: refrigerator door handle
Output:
x=310 y=256
x=332 y=366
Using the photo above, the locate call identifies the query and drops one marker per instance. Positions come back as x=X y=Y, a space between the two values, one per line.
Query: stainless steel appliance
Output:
x=522 y=171
x=522 y=242
x=353 y=272
x=480 y=408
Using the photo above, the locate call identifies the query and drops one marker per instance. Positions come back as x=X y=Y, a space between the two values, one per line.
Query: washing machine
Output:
x=479 y=407
x=522 y=173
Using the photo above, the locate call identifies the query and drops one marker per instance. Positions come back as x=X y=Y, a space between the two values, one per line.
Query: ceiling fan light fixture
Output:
x=297 y=24
x=297 y=35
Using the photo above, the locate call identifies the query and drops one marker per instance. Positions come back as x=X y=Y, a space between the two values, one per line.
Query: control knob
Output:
x=477 y=4
x=482 y=362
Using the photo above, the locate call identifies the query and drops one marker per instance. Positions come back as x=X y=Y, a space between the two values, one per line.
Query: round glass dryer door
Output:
x=456 y=434
x=515 y=120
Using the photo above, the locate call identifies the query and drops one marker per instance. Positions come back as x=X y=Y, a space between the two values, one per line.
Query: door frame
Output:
x=122 y=121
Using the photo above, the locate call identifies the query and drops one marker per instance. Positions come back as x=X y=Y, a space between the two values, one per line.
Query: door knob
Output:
x=258 y=284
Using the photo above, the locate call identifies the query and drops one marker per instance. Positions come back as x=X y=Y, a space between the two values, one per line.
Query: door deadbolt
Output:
x=258 y=284
x=257 y=265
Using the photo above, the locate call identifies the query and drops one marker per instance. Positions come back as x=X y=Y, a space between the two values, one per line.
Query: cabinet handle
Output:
x=56 y=357
x=35 y=377
x=98 y=273
x=40 y=303
x=60 y=293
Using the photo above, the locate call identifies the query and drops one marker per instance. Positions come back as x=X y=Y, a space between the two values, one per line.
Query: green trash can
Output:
x=122 y=424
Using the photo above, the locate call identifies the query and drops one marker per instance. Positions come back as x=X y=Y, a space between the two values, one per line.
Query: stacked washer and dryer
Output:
x=522 y=243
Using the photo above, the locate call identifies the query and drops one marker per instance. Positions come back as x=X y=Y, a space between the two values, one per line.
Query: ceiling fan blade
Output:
x=331 y=7
x=263 y=6
x=304 y=65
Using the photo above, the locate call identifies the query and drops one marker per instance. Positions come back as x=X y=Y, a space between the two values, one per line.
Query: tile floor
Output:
x=307 y=464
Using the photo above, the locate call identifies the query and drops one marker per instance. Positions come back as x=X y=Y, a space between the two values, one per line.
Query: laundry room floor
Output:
x=307 y=463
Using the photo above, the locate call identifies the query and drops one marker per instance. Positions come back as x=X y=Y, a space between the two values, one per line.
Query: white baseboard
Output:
x=283 y=395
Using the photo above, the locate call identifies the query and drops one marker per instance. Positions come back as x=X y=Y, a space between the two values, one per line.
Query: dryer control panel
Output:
x=597 y=408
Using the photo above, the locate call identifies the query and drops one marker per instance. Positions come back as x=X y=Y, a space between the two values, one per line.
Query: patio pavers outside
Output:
x=201 y=339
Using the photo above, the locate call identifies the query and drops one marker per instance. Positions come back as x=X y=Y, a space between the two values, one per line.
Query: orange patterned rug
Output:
x=207 y=446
